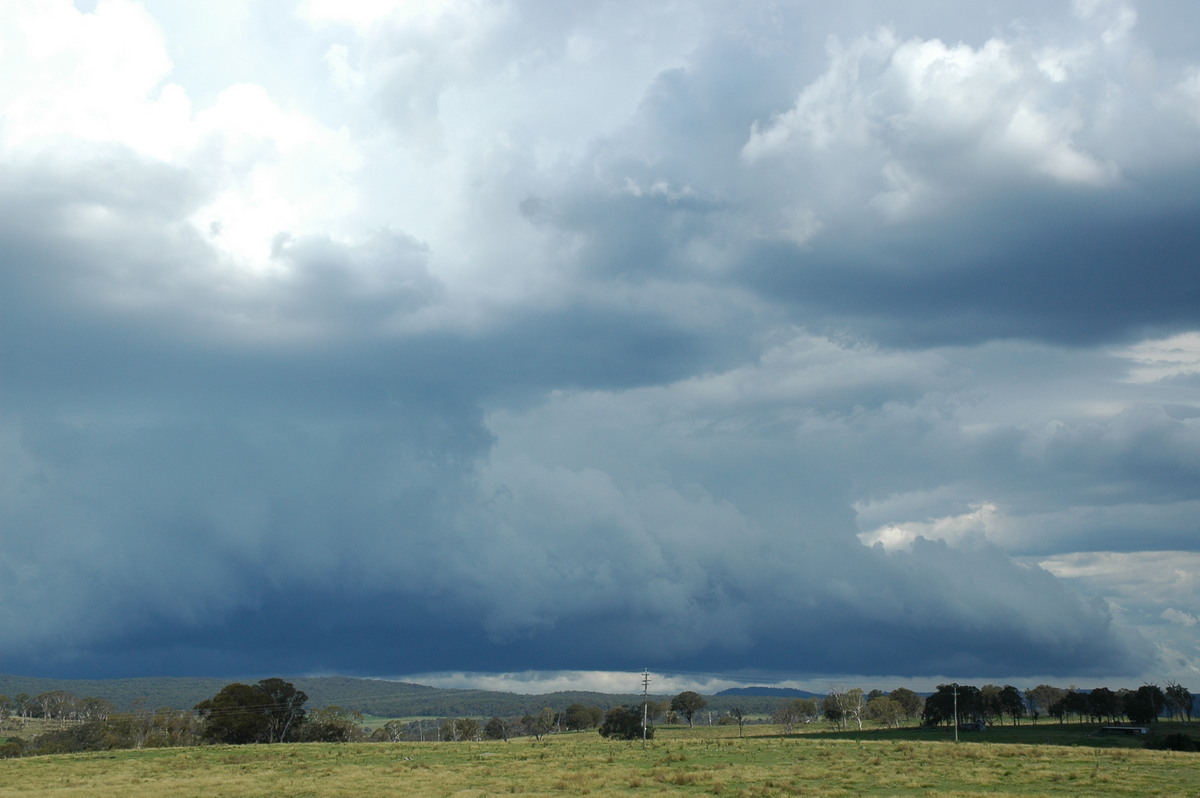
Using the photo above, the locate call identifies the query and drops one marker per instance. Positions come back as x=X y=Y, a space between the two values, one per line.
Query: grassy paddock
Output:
x=29 y=727
x=680 y=762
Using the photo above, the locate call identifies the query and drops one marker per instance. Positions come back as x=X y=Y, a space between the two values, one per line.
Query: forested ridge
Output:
x=369 y=696
x=395 y=699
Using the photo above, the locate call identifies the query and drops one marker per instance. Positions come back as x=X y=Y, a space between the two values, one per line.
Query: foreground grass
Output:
x=585 y=764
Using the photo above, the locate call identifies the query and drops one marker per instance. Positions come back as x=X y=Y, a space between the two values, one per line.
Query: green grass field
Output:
x=680 y=762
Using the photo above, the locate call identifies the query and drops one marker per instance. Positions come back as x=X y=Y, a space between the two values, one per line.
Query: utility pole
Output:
x=956 y=712
x=645 y=705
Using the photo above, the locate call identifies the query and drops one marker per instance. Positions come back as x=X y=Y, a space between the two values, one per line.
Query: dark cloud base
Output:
x=309 y=631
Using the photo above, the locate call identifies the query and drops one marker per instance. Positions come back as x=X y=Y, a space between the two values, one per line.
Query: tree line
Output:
x=991 y=704
x=274 y=710
x=988 y=705
x=58 y=705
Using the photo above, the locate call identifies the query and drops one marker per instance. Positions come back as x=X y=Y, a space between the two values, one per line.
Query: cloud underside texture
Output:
x=542 y=386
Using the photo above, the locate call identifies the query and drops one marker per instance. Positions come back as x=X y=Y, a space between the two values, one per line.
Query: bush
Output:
x=12 y=747
x=91 y=736
x=1176 y=741
x=499 y=728
x=625 y=723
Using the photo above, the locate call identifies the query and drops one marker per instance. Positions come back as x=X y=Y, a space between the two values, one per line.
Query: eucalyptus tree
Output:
x=539 y=725
x=1180 y=700
x=795 y=711
x=1041 y=698
x=687 y=704
x=885 y=709
x=284 y=708
x=910 y=703
x=1103 y=704
x=1145 y=704
x=1012 y=703
x=270 y=711
x=952 y=702
x=578 y=717
x=235 y=715
x=498 y=728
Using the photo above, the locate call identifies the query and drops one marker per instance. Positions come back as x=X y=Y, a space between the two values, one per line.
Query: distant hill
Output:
x=153 y=692
x=771 y=692
x=369 y=696
x=372 y=696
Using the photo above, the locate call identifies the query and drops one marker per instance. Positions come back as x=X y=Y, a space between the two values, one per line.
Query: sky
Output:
x=517 y=342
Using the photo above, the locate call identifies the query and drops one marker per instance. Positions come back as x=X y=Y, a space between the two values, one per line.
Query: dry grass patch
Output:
x=676 y=764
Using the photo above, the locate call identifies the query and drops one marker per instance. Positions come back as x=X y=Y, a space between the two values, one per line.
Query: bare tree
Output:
x=798 y=710
x=1180 y=700
x=740 y=719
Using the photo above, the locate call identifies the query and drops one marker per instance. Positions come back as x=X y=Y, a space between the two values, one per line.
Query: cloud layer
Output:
x=390 y=338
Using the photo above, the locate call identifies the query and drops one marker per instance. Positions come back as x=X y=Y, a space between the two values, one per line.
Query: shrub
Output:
x=92 y=736
x=624 y=723
x=1175 y=741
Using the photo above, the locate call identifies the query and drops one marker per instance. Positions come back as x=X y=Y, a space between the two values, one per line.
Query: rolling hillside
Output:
x=369 y=696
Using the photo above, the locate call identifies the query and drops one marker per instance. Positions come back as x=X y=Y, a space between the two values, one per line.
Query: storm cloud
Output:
x=409 y=337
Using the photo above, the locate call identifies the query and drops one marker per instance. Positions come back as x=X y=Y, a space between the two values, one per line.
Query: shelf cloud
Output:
x=390 y=338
